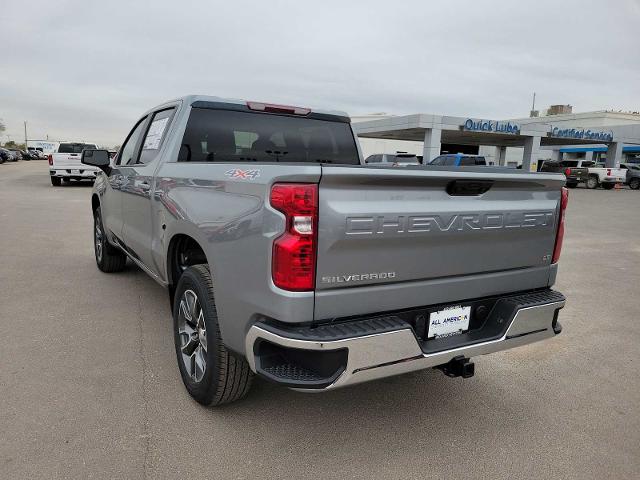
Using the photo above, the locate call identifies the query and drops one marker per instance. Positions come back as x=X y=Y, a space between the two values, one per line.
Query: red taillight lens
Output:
x=567 y=172
x=564 y=200
x=294 y=252
x=50 y=159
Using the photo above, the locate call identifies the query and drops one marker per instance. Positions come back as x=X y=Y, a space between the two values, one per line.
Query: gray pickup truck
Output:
x=286 y=256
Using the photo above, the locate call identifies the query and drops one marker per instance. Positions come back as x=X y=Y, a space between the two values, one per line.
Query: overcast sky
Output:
x=85 y=70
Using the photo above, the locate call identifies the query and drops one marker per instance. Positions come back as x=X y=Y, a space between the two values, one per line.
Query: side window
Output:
x=125 y=157
x=155 y=135
x=449 y=160
x=466 y=161
x=437 y=161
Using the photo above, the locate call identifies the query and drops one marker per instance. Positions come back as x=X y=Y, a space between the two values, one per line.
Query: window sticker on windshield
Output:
x=152 y=142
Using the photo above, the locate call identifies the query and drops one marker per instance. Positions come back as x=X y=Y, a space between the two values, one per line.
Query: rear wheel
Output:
x=108 y=258
x=634 y=183
x=210 y=373
x=55 y=181
x=608 y=186
x=592 y=182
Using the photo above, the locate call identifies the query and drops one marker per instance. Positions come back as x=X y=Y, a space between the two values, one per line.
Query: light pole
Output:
x=25 y=136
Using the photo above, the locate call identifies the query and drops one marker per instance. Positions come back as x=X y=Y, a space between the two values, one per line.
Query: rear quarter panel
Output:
x=233 y=222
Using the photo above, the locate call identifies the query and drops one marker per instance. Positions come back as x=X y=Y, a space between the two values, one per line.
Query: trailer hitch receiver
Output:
x=459 y=366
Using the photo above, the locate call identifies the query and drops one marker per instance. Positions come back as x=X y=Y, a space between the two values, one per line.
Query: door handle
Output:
x=116 y=180
x=143 y=185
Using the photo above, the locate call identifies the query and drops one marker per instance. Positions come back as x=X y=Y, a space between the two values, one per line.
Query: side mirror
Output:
x=97 y=158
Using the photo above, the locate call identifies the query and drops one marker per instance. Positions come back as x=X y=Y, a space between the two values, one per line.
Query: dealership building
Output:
x=611 y=137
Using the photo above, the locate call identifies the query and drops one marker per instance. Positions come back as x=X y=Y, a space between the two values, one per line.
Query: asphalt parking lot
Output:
x=90 y=387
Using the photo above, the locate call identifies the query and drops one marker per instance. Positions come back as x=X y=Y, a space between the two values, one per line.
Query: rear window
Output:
x=466 y=161
x=569 y=163
x=74 y=147
x=407 y=158
x=231 y=136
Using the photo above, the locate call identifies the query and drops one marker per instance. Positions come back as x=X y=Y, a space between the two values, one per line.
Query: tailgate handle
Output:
x=467 y=188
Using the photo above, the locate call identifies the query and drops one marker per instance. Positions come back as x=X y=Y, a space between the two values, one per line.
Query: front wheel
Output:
x=210 y=373
x=634 y=183
x=108 y=258
x=592 y=182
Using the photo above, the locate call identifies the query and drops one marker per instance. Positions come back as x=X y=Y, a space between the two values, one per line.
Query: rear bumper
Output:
x=378 y=347
x=83 y=173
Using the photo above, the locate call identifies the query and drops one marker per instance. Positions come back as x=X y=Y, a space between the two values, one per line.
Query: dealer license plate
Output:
x=450 y=321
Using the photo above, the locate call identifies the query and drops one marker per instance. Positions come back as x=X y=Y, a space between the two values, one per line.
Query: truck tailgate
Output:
x=424 y=226
x=69 y=160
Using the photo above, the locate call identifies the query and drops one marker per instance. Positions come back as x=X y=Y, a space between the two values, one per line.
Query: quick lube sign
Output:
x=491 y=126
x=581 y=134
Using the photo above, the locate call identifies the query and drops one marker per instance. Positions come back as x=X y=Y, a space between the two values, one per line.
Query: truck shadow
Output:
x=408 y=417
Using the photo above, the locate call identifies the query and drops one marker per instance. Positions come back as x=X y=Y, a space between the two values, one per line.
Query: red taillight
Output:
x=50 y=159
x=272 y=108
x=564 y=200
x=294 y=252
x=567 y=172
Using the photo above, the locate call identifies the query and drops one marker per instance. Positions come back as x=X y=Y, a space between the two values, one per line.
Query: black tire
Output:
x=108 y=258
x=592 y=182
x=66 y=180
x=572 y=184
x=634 y=183
x=55 y=181
x=226 y=377
x=608 y=186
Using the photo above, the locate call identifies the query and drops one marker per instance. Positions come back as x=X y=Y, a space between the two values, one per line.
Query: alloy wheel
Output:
x=99 y=239
x=192 y=331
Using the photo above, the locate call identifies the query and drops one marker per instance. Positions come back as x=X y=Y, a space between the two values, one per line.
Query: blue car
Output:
x=458 y=160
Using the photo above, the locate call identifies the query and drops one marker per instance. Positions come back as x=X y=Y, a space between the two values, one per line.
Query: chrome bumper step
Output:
x=366 y=349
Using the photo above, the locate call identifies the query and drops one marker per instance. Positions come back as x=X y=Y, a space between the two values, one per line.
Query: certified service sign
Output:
x=581 y=133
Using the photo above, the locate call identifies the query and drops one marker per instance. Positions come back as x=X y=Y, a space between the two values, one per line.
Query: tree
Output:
x=2 y=126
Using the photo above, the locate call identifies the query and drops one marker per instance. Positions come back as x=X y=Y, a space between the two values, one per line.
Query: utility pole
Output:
x=534 y=112
x=533 y=105
x=25 y=135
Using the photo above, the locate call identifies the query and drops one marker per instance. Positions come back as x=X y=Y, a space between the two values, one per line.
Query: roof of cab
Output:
x=190 y=99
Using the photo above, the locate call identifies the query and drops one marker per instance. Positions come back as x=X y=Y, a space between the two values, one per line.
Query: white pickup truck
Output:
x=606 y=177
x=64 y=164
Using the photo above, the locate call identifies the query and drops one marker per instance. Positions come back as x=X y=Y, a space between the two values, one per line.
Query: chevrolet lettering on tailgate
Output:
x=380 y=225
